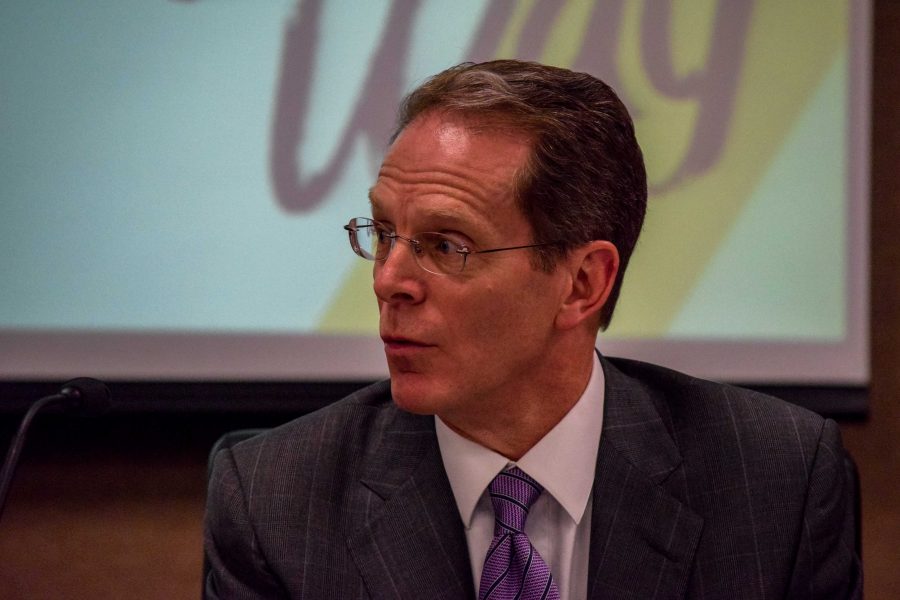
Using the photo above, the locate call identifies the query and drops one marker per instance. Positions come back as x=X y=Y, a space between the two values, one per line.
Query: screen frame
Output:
x=38 y=355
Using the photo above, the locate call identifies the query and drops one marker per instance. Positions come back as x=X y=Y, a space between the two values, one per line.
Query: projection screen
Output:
x=175 y=177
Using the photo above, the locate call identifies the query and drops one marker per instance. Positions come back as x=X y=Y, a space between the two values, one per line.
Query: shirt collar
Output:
x=573 y=442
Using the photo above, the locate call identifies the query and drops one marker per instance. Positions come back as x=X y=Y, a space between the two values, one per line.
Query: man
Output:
x=502 y=221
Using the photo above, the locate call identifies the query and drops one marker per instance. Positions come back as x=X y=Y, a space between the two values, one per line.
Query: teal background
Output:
x=136 y=195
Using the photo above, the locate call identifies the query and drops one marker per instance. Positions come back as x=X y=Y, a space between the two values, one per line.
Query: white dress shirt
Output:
x=563 y=462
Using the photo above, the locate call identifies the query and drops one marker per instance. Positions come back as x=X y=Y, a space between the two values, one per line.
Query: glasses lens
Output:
x=357 y=229
x=369 y=239
x=434 y=252
x=379 y=240
x=440 y=253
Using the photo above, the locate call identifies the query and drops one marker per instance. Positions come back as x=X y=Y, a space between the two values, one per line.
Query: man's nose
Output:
x=399 y=278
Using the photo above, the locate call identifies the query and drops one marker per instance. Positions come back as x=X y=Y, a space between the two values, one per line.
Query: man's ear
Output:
x=593 y=268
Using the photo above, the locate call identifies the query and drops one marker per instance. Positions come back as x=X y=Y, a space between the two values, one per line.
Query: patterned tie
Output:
x=513 y=569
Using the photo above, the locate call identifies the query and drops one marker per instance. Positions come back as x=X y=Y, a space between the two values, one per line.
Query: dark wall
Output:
x=876 y=443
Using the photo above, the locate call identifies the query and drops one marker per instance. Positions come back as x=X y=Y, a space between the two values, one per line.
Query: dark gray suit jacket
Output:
x=701 y=491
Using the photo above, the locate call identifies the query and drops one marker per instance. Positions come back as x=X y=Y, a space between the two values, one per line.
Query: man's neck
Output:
x=512 y=424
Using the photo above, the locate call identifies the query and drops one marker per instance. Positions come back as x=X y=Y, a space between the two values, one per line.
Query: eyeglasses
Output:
x=435 y=252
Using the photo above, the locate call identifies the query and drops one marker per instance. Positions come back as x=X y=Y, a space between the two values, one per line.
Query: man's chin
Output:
x=413 y=393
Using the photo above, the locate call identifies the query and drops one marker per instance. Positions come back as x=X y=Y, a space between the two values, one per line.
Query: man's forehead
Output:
x=459 y=130
x=432 y=209
x=454 y=137
x=450 y=168
x=480 y=220
x=455 y=146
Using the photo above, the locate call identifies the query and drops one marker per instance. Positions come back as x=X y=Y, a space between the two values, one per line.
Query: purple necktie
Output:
x=513 y=569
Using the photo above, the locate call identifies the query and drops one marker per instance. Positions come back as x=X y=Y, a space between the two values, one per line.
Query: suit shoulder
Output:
x=366 y=402
x=688 y=402
x=325 y=435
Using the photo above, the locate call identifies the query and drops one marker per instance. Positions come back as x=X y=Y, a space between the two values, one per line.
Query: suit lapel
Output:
x=643 y=539
x=412 y=543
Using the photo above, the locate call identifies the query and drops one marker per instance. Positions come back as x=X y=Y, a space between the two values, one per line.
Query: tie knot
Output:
x=512 y=494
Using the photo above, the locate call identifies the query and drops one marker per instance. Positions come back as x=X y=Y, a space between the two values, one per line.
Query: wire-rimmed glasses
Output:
x=436 y=253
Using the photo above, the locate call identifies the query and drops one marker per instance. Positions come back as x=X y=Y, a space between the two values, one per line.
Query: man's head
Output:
x=584 y=179
x=489 y=161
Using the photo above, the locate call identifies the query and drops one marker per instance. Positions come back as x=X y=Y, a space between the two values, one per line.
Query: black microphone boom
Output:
x=83 y=396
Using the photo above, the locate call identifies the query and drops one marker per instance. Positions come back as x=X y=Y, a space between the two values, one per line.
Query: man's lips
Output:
x=399 y=345
x=397 y=340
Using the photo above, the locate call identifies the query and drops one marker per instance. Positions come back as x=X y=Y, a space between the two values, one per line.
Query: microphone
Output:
x=83 y=395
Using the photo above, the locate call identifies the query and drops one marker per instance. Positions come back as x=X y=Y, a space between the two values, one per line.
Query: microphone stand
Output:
x=84 y=395
x=18 y=442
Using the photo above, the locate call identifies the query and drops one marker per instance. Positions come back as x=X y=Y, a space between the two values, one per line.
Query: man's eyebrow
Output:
x=453 y=218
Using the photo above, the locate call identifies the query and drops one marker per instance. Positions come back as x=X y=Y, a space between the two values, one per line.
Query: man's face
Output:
x=463 y=345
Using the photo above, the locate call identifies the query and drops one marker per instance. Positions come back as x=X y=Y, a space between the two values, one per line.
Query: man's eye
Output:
x=445 y=246
x=382 y=236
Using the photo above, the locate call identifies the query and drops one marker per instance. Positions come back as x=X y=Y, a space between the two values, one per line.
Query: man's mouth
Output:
x=398 y=340
x=397 y=345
